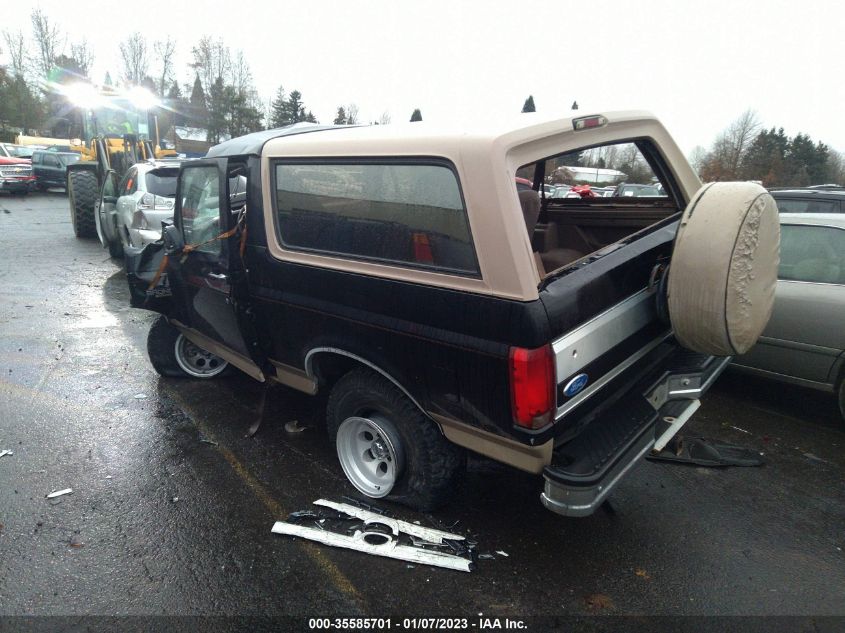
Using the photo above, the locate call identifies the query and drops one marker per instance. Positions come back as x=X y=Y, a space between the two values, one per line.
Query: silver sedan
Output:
x=804 y=342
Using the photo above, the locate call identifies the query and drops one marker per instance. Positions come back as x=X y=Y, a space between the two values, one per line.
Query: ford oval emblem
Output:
x=575 y=385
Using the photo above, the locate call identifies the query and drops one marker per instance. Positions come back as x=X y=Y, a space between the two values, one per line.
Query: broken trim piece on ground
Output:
x=59 y=493
x=380 y=535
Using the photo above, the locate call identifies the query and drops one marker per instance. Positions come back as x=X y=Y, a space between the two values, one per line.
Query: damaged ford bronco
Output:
x=399 y=270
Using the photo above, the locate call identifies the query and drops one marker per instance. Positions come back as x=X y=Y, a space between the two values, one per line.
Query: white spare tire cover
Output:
x=723 y=274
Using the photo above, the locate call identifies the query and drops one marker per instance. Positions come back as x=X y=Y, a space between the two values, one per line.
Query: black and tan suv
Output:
x=399 y=269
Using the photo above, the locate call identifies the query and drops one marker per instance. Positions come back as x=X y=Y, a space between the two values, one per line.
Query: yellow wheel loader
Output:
x=118 y=131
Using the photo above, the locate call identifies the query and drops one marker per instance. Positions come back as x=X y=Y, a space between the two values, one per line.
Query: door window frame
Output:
x=224 y=215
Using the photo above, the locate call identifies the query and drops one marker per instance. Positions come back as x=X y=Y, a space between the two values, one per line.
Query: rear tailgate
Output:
x=620 y=375
x=604 y=315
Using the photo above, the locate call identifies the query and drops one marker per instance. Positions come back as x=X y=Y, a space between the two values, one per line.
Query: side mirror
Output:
x=173 y=240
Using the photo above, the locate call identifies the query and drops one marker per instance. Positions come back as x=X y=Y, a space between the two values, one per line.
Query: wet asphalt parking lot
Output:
x=172 y=506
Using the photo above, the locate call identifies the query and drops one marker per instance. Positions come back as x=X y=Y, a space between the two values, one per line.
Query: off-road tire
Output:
x=161 y=348
x=82 y=194
x=433 y=465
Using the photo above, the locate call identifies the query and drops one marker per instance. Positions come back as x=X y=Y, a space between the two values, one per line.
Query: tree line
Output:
x=746 y=150
x=222 y=99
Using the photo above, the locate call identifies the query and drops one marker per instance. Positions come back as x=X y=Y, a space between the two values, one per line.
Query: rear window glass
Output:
x=162 y=182
x=812 y=253
x=408 y=214
x=617 y=170
x=70 y=158
x=799 y=205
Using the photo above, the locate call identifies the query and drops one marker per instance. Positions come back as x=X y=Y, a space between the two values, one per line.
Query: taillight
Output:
x=532 y=386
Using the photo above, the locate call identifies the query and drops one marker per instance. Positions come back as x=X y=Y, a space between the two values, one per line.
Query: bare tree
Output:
x=16 y=44
x=49 y=42
x=164 y=53
x=352 y=114
x=728 y=149
x=83 y=55
x=740 y=135
x=212 y=59
x=384 y=119
x=241 y=75
x=697 y=157
x=133 y=52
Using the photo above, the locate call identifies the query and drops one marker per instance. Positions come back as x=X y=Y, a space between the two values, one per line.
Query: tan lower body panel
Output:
x=531 y=459
x=209 y=344
x=294 y=378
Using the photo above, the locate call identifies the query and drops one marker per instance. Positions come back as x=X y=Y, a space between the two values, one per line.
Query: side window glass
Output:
x=200 y=207
x=813 y=254
x=110 y=185
x=799 y=205
x=408 y=214
x=51 y=161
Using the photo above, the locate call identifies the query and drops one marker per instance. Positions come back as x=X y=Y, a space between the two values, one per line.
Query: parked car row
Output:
x=24 y=168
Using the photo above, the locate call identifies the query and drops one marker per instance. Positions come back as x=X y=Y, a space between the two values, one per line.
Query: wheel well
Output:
x=330 y=364
x=328 y=368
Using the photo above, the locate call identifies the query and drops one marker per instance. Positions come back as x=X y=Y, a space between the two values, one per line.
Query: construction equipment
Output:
x=117 y=131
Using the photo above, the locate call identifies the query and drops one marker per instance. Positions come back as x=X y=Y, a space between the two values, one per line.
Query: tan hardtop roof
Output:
x=485 y=158
x=423 y=138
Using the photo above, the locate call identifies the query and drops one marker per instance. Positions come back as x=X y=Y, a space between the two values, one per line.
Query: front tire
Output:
x=82 y=196
x=174 y=356
x=387 y=447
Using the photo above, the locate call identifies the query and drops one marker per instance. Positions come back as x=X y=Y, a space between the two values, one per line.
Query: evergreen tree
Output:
x=198 y=94
x=244 y=115
x=278 y=110
x=295 y=108
x=416 y=115
x=528 y=106
x=340 y=118
x=764 y=158
x=107 y=82
x=197 y=108
x=217 y=109
x=175 y=92
x=310 y=118
x=19 y=105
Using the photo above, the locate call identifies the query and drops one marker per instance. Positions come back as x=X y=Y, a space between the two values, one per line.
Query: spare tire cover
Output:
x=723 y=274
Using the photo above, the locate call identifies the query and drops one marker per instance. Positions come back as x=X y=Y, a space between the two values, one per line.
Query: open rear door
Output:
x=204 y=268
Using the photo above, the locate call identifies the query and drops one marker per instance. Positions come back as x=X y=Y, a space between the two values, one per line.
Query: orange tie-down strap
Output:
x=192 y=247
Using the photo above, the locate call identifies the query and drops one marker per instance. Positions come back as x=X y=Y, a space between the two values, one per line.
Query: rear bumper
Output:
x=585 y=470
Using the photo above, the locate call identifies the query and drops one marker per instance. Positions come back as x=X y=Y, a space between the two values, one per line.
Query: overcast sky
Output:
x=696 y=65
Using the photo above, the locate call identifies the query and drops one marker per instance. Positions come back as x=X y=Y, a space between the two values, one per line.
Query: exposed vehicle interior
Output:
x=565 y=229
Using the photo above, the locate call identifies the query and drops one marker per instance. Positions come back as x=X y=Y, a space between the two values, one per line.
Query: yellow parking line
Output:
x=337 y=577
